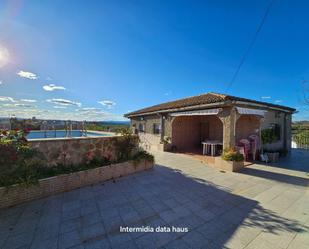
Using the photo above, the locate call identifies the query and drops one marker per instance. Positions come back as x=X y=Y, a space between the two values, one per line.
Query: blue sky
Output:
x=97 y=60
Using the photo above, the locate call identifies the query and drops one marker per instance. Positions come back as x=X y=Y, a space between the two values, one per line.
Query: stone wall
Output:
x=284 y=121
x=76 y=150
x=17 y=194
x=148 y=140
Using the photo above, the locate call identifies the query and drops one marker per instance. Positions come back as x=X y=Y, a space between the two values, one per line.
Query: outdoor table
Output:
x=213 y=146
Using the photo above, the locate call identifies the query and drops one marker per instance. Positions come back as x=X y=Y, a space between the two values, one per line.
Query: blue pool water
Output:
x=57 y=134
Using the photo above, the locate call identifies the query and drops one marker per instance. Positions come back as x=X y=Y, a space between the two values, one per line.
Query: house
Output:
x=187 y=122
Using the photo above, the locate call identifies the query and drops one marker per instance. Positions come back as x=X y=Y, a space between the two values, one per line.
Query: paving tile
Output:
x=101 y=243
x=90 y=219
x=46 y=232
x=92 y=232
x=118 y=238
x=70 y=225
x=113 y=224
x=20 y=240
x=40 y=243
x=148 y=241
x=168 y=216
x=195 y=240
x=127 y=245
x=71 y=214
x=297 y=245
x=70 y=239
x=177 y=244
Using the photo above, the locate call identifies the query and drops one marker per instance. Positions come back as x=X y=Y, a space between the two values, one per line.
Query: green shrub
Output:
x=270 y=135
x=232 y=155
x=126 y=145
x=18 y=162
x=143 y=155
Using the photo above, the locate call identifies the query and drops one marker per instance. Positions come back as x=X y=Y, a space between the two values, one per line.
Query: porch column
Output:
x=229 y=118
x=162 y=123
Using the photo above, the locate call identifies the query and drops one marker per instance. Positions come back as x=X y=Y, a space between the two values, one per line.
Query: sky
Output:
x=96 y=60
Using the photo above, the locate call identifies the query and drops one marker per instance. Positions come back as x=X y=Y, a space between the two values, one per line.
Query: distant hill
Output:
x=303 y=122
x=114 y=122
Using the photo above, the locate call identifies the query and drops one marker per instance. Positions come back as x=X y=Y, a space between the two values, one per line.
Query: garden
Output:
x=25 y=166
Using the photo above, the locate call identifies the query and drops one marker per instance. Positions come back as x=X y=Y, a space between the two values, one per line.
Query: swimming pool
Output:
x=62 y=134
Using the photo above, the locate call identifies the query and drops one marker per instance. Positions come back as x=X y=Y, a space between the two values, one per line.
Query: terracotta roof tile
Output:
x=208 y=98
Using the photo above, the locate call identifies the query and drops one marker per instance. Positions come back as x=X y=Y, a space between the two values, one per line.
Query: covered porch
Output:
x=198 y=132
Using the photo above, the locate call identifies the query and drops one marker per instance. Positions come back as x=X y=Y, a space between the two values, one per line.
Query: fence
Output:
x=300 y=140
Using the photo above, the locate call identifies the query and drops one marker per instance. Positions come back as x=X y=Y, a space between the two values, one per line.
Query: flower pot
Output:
x=229 y=165
x=273 y=156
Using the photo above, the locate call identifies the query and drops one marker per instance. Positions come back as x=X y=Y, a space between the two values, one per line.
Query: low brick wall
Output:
x=17 y=194
x=75 y=150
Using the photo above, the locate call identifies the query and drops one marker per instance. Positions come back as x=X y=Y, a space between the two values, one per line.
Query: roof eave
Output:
x=267 y=106
x=223 y=103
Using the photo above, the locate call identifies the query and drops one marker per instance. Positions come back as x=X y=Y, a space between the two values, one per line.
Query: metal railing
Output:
x=300 y=141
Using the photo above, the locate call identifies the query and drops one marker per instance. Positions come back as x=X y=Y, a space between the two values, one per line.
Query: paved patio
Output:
x=261 y=207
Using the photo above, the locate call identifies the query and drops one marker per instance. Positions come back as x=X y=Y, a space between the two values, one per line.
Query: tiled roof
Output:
x=208 y=98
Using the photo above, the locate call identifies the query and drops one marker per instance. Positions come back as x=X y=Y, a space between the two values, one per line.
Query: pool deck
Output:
x=263 y=206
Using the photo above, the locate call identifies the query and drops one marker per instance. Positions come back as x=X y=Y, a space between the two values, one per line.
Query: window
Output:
x=276 y=130
x=156 y=128
x=141 y=127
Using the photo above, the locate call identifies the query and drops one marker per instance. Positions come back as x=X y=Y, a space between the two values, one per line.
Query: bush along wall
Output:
x=23 y=162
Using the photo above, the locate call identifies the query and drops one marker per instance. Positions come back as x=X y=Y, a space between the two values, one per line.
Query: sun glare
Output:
x=4 y=56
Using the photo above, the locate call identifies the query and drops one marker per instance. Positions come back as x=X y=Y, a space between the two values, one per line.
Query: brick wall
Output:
x=17 y=194
x=188 y=131
x=247 y=125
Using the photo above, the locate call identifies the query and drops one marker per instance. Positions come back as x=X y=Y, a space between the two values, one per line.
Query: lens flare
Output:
x=4 y=56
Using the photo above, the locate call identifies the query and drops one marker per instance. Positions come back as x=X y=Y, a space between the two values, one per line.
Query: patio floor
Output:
x=261 y=207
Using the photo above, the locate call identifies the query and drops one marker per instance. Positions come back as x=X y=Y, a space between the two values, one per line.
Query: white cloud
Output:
x=278 y=101
x=49 y=78
x=266 y=97
x=61 y=114
x=52 y=87
x=59 y=107
x=64 y=102
x=8 y=105
x=1 y=82
x=27 y=75
x=89 y=108
x=28 y=100
x=7 y=99
x=167 y=93
x=25 y=105
x=108 y=103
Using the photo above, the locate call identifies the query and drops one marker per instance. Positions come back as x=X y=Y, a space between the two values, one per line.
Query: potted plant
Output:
x=269 y=136
x=167 y=143
x=232 y=160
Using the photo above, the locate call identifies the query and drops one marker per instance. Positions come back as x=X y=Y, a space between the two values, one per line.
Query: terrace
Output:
x=260 y=207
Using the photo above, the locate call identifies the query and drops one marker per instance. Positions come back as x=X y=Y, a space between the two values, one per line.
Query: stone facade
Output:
x=17 y=194
x=233 y=127
x=148 y=139
x=284 y=120
x=76 y=150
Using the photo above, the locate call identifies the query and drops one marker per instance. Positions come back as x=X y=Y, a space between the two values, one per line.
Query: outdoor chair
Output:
x=245 y=144
x=255 y=145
